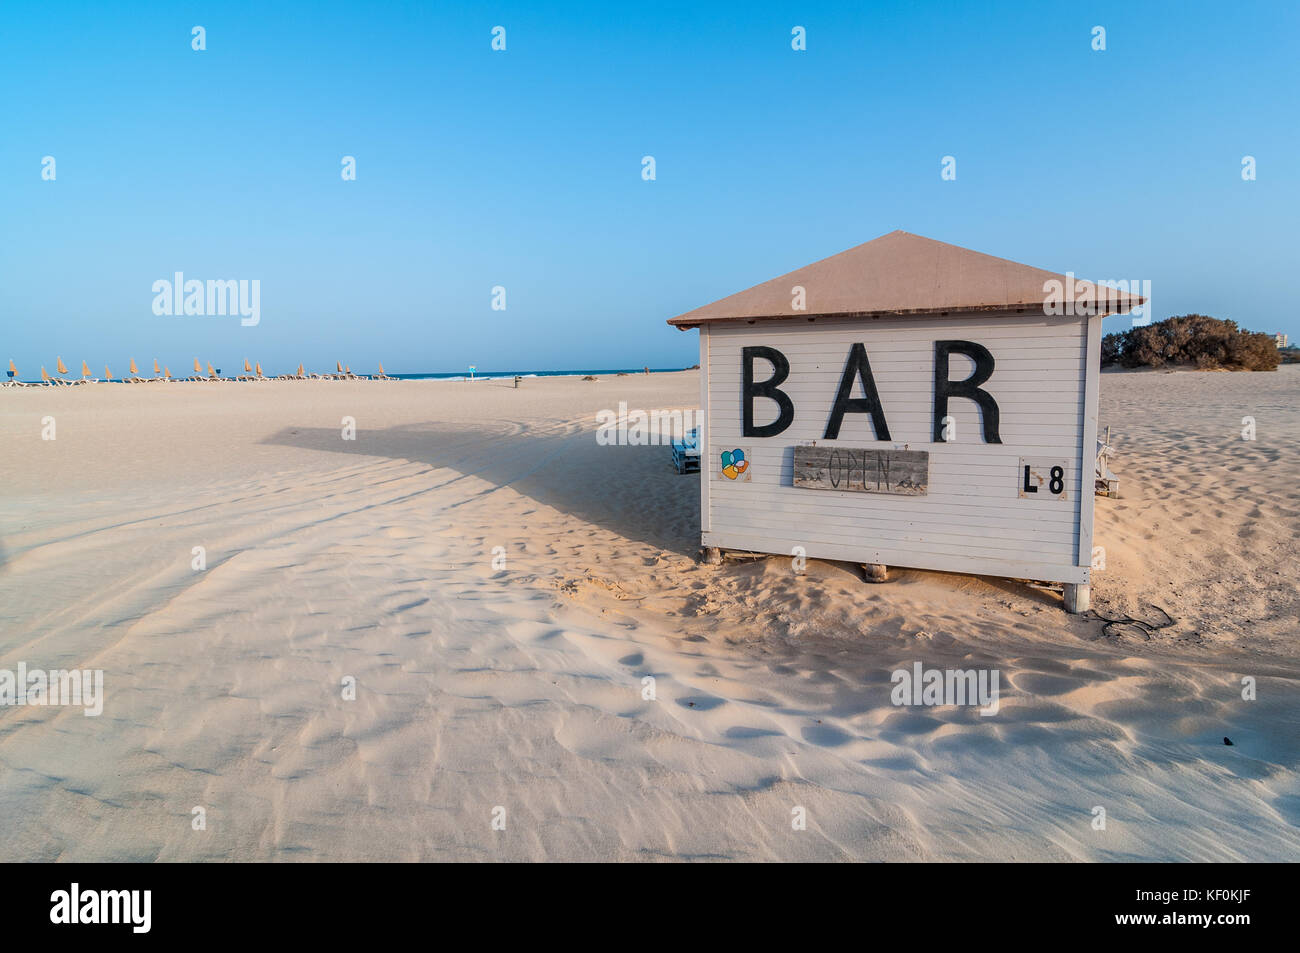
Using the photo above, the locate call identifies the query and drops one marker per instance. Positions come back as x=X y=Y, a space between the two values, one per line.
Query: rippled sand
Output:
x=482 y=687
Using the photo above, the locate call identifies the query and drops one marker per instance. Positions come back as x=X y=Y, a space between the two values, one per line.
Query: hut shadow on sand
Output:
x=634 y=492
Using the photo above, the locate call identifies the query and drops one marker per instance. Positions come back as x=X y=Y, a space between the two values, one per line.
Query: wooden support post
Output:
x=1078 y=597
x=876 y=572
x=712 y=555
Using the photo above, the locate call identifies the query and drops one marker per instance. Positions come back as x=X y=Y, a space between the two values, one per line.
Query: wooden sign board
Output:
x=898 y=472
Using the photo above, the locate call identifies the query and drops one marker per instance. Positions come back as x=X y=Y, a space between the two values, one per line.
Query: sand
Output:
x=520 y=686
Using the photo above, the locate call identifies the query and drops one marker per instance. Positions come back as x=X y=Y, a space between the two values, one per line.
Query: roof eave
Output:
x=685 y=322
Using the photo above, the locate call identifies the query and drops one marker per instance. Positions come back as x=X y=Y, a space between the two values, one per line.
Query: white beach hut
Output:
x=906 y=403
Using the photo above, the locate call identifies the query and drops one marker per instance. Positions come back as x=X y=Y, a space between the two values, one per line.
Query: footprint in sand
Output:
x=907 y=723
x=824 y=736
x=1036 y=683
x=743 y=733
x=701 y=702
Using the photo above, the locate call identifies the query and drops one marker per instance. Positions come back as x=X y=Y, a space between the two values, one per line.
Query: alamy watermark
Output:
x=79 y=905
x=36 y=686
x=214 y=297
x=641 y=428
x=1070 y=297
x=936 y=687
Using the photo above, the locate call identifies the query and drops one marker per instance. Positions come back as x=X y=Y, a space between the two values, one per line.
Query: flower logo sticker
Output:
x=734 y=464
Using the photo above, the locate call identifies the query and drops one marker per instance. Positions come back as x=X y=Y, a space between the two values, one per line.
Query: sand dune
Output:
x=521 y=686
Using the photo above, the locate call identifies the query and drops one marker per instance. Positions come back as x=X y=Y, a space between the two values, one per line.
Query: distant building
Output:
x=1280 y=340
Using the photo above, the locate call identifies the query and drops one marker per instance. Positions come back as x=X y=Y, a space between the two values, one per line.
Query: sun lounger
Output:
x=135 y=377
x=63 y=369
x=1107 y=484
x=13 y=380
x=686 y=452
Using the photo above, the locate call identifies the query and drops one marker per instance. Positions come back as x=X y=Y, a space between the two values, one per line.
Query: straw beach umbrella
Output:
x=60 y=366
x=108 y=375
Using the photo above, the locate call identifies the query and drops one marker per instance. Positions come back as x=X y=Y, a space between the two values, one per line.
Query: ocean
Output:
x=509 y=375
x=458 y=376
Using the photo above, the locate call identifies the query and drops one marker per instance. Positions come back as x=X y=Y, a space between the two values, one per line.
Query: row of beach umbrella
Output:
x=252 y=372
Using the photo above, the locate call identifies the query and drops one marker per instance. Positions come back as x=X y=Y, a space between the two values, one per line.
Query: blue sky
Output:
x=523 y=168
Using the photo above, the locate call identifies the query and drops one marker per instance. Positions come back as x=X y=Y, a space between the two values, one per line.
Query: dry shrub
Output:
x=1192 y=339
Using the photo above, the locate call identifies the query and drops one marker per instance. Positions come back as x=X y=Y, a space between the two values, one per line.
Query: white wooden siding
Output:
x=972 y=519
